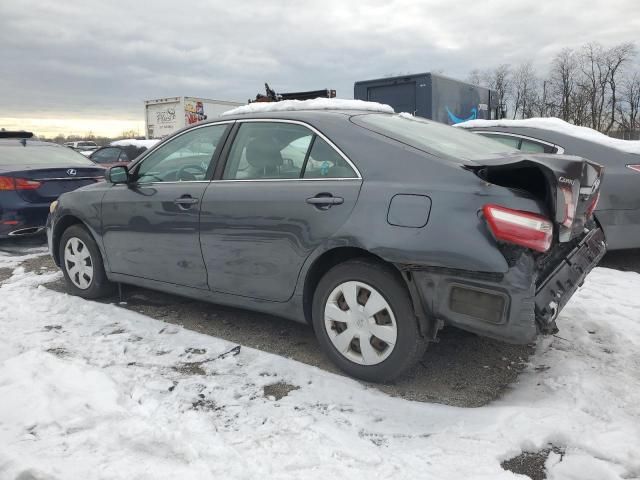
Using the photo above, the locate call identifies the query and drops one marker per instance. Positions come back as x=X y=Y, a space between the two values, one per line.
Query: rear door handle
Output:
x=325 y=200
x=185 y=201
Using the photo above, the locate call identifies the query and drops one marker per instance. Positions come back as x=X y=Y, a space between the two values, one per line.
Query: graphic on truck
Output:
x=455 y=119
x=193 y=112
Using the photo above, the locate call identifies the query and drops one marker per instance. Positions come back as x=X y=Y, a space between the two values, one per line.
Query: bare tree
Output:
x=596 y=81
x=564 y=70
x=475 y=77
x=525 y=95
x=616 y=57
x=499 y=80
x=629 y=108
x=591 y=86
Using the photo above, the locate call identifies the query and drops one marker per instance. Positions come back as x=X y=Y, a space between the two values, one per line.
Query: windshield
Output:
x=432 y=137
x=42 y=155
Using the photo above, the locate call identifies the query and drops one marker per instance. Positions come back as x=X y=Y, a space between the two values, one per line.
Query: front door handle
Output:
x=324 y=201
x=185 y=201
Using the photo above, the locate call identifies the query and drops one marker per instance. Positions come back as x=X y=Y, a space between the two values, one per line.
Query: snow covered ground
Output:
x=89 y=390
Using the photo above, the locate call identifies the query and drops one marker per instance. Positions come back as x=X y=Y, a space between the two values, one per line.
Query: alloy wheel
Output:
x=360 y=323
x=78 y=263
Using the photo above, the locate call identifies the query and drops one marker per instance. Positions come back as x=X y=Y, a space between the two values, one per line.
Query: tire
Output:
x=375 y=288
x=82 y=264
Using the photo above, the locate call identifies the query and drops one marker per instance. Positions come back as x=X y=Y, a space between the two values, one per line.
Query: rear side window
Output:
x=266 y=150
x=533 y=147
x=325 y=162
x=521 y=143
x=513 y=142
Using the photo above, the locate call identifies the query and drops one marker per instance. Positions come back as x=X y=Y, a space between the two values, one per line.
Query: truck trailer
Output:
x=163 y=116
x=432 y=96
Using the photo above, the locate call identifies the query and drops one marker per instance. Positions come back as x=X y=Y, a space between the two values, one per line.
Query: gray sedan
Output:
x=376 y=229
x=618 y=210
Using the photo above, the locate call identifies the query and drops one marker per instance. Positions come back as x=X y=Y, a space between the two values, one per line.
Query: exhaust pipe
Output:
x=26 y=231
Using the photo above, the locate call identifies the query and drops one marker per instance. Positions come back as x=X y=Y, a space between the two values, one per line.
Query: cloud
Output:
x=101 y=59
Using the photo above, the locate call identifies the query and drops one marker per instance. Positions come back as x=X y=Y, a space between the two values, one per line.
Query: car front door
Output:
x=284 y=190
x=150 y=225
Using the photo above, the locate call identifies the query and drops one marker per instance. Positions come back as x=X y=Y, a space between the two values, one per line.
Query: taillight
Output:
x=527 y=229
x=635 y=168
x=569 y=206
x=594 y=203
x=11 y=183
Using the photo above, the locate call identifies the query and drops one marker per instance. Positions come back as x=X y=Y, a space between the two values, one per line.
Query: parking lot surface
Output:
x=462 y=369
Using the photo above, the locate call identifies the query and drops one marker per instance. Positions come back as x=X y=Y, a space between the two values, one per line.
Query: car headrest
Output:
x=263 y=153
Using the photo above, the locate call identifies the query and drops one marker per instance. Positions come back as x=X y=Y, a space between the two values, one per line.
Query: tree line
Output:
x=99 y=139
x=592 y=86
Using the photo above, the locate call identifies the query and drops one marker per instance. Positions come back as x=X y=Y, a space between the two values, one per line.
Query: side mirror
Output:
x=118 y=174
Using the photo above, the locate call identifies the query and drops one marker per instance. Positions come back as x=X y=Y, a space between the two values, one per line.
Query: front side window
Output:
x=186 y=157
x=106 y=155
x=432 y=137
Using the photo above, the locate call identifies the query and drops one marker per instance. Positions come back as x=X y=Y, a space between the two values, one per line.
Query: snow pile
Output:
x=11 y=257
x=87 y=387
x=315 y=104
x=560 y=126
x=136 y=143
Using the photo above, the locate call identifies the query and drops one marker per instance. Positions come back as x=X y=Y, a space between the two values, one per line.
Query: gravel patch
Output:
x=531 y=464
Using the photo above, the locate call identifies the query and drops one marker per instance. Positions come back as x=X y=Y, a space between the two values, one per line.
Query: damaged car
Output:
x=376 y=229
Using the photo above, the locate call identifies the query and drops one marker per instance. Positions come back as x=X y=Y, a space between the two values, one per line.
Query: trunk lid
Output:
x=54 y=181
x=569 y=185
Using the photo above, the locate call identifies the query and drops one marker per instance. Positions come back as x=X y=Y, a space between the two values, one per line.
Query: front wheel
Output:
x=364 y=321
x=82 y=264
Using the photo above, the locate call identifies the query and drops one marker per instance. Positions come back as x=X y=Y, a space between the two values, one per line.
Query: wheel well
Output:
x=61 y=225
x=326 y=262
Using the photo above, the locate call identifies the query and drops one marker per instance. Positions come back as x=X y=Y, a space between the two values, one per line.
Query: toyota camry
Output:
x=376 y=229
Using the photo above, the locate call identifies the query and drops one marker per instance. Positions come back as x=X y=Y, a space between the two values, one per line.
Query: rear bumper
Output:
x=513 y=306
x=19 y=218
x=553 y=292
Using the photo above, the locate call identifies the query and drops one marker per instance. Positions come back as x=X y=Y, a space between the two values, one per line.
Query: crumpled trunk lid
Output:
x=568 y=185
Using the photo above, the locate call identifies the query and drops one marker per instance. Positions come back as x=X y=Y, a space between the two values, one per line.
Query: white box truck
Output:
x=163 y=116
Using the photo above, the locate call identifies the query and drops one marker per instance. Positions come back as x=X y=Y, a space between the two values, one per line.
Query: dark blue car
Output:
x=32 y=175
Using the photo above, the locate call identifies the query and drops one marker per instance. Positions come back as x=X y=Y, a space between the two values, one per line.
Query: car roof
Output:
x=294 y=115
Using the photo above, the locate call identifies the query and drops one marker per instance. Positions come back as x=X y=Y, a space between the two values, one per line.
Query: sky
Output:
x=87 y=66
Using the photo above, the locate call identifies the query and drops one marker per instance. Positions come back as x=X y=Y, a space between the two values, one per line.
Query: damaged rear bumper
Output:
x=513 y=306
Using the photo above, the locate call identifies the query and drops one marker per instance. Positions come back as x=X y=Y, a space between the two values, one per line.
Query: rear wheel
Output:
x=364 y=321
x=82 y=264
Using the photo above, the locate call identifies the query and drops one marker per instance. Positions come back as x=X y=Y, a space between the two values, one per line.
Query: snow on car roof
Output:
x=560 y=126
x=136 y=143
x=315 y=104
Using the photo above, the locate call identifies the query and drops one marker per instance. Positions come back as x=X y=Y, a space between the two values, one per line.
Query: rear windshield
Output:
x=432 y=137
x=41 y=155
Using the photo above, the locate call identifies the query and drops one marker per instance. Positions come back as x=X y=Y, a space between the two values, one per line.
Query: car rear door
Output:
x=284 y=190
x=151 y=224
